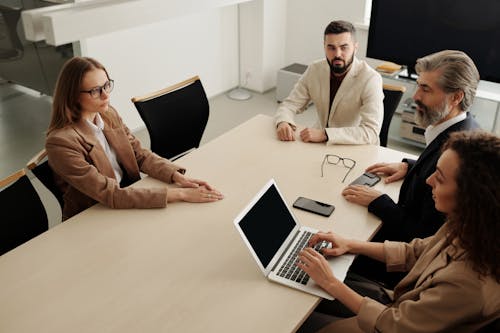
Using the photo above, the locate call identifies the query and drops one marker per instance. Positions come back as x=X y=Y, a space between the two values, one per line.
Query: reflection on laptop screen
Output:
x=267 y=225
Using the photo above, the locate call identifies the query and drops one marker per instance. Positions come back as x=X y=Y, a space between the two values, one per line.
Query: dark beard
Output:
x=339 y=69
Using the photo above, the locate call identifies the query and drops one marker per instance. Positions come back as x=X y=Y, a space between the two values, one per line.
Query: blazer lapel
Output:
x=429 y=151
x=94 y=148
x=432 y=259
x=118 y=140
x=344 y=86
x=324 y=82
x=436 y=144
x=451 y=252
x=438 y=259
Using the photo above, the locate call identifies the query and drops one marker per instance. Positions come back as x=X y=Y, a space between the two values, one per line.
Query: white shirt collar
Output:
x=432 y=132
x=97 y=127
x=99 y=124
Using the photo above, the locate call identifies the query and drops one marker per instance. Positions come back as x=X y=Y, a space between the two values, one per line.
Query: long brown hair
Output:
x=66 y=109
x=475 y=221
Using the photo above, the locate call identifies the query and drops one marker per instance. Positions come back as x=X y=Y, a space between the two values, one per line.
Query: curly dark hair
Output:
x=475 y=221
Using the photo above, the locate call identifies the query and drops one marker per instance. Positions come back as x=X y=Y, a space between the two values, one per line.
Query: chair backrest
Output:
x=175 y=117
x=23 y=215
x=392 y=97
x=42 y=170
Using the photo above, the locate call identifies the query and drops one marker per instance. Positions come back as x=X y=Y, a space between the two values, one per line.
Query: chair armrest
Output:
x=12 y=178
x=181 y=154
x=36 y=159
x=394 y=87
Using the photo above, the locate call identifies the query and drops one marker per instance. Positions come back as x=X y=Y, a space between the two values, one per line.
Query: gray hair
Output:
x=458 y=73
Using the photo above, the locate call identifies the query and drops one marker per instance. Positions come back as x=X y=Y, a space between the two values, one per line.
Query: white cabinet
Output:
x=287 y=77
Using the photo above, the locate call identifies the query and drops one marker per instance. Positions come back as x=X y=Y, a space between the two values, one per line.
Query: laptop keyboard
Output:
x=289 y=269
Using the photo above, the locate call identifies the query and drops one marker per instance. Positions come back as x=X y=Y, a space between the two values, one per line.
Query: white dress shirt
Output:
x=432 y=132
x=110 y=153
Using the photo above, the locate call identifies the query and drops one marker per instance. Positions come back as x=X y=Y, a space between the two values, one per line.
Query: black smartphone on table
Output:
x=368 y=178
x=314 y=206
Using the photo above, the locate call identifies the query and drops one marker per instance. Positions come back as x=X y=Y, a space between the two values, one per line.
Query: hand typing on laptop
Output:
x=313 y=262
x=320 y=246
x=331 y=244
x=276 y=249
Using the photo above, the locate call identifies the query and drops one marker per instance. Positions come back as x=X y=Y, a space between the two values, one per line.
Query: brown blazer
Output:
x=85 y=175
x=441 y=292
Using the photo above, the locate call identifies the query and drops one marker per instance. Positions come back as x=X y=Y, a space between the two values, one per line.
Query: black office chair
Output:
x=40 y=167
x=175 y=117
x=392 y=97
x=23 y=214
x=493 y=327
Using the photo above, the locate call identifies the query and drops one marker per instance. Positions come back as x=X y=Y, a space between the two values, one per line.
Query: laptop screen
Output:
x=267 y=224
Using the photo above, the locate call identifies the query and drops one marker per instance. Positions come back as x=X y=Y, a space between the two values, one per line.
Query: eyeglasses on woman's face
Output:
x=97 y=91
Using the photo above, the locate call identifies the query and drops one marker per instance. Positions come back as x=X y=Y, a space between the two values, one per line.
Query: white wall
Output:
x=274 y=33
x=306 y=22
x=251 y=45
x=263 y=35
x=152 y=57
x=275 y=23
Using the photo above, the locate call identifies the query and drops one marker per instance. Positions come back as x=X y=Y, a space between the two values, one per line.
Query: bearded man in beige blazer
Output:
x=346 y=91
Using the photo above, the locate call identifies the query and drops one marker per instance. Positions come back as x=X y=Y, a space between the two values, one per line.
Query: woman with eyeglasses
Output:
x=453 y=280
x=95 y=157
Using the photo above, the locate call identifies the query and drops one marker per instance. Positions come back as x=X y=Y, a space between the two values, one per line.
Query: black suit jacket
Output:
x=414 y=216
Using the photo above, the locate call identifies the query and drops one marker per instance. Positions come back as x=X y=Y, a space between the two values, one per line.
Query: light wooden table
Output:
x=184 y=268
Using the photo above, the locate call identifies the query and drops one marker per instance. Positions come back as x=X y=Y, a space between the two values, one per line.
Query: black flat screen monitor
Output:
x=403 y=30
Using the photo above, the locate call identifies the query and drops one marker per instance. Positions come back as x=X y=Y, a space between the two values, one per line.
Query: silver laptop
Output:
x=274 y=238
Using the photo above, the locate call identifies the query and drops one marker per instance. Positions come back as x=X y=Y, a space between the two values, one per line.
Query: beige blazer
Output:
x=357 y=111
x=441 y=292
x=85 y=175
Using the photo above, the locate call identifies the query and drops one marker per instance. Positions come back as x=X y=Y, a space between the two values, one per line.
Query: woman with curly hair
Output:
x=453 y=280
